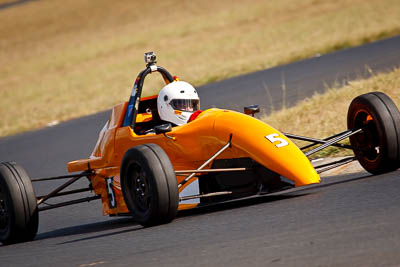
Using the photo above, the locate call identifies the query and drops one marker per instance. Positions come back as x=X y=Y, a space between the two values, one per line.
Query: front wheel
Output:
x=19 y=218
x=377 y=147
x=149 y=185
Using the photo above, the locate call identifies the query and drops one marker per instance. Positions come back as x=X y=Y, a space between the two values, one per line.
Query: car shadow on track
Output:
x=278 y=196
x=338 y=179
x=92 y=228
x=123 y=225
x=238 y=203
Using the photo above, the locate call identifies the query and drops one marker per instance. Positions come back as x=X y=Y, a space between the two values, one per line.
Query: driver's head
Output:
x=177 y=101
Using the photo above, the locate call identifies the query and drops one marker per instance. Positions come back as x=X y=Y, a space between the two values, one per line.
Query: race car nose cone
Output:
x=267 y=146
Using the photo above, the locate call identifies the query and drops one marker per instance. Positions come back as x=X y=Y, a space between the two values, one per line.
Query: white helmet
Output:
x=177 y=101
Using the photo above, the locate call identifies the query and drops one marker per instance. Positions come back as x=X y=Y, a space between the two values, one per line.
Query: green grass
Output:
x=64 y=59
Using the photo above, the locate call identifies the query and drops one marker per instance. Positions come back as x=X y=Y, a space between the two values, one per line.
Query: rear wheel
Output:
x=149 y=185
x=377 y=147
x=19 y=218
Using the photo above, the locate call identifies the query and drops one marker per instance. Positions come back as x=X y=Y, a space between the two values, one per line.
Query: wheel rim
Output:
x=140 y=188
x=4 y=213
x=367 y=141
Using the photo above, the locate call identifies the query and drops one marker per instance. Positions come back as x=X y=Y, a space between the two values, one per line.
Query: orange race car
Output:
x=160 y=154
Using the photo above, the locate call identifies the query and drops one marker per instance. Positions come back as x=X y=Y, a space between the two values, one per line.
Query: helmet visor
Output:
x=188 y=105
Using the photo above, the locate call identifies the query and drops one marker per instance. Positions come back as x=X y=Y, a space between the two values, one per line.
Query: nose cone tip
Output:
x=312 y=178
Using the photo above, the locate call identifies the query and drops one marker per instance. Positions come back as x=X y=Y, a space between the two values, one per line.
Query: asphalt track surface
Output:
x=348 y=220
x=14 y=3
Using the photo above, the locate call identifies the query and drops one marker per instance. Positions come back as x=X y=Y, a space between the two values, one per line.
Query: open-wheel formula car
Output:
x=148 y=168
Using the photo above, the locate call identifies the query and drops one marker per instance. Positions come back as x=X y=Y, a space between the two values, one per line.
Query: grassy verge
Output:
x=64 y=59
x=325 y=114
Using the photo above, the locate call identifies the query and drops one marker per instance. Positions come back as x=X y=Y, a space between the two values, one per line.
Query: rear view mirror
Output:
x=251 y=110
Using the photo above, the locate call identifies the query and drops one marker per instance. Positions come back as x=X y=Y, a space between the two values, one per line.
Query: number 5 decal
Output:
x=274 y=138
x=111 y=193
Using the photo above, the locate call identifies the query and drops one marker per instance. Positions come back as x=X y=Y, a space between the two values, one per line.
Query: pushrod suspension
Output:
x=61 y=177
x=71 y=192
x=339 y=138
x=58 y=189
x=205 y=195
x=207 y=162
x=182 y=172
x=328 y=166
x=316 y=141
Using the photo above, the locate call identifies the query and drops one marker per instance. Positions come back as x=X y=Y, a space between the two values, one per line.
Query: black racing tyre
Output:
x=377 y=147
x=19 y=218
x=149 y=185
